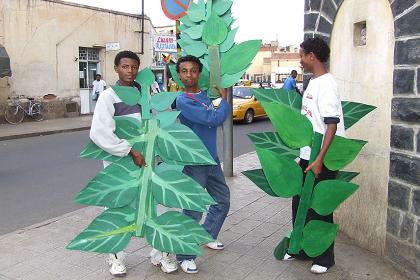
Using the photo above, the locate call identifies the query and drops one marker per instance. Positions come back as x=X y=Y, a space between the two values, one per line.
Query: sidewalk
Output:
x=255 y=225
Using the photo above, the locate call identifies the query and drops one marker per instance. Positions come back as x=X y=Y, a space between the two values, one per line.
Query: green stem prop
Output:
x=214 y=58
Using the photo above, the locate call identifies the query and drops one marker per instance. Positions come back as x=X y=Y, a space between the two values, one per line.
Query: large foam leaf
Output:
x=214 y=31
x=317 y=237
x=163 y=167
x=186 y=21
x=195 y=32
x=342 y=152
x=163 y=100
x=127 y=128
x=94 y=152
x=197 y=49
x=228 y=80
x=294 y=129
x=346 y=175
x=177 y=144
x=229 y=41
x=114 y=186
x=167 y=118
x=329 y=194
x=239 y=56
x=129 y=95
x=287 y=97
x=258 y=178
x=110 y=232
x=172 y=68
x=221 y=7
x=281 y=248
x=176 y=233
x=228 y=19
x=204 y=80
x=196 y=12
x=283 y=174
x=177 y=190
x=205 y=62
x=145 y=77
x=354 y=111
x=271 y=141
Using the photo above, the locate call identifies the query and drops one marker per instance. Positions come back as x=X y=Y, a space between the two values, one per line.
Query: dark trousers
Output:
x=327 y=258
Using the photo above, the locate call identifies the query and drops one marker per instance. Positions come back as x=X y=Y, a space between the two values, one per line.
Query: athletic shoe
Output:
x=188 y=266
x=318 y=269
x=215 y=245
x=116 y=265
x=166 y=262
x=288 y=257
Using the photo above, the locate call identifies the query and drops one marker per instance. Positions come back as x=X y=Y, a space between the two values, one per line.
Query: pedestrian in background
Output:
x=98 y=86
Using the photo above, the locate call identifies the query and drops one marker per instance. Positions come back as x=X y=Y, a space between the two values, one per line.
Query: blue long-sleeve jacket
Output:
x=198 y=113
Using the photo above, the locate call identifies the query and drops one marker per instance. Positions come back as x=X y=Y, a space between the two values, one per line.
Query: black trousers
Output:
x=327 y=258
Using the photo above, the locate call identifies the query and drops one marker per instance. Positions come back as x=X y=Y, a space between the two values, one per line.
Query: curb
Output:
x=41 y=133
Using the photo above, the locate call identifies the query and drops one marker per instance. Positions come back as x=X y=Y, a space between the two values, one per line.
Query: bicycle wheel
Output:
x=14 y=114
x=37 y=112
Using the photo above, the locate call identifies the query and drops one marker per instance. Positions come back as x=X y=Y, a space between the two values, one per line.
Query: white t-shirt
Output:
x=155 y=87
x=321 y=100
x=98 y=86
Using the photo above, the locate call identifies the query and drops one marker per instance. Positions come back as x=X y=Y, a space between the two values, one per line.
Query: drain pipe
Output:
x=142 y=27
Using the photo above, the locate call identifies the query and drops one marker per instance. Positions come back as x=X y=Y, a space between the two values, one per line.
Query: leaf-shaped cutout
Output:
x=127 y=127
x=145 y=77
x=228 y=19
x=228 y=80
x=177 y=190
x=174 y=74
x=163 y=100
x=129 y=95
x=205 y=62
x=287 y=97
x=229 y=41
x=214 y=31
x=115 y=186
x=167 y=118
x=283 y=174
x=94 y=152
x=294 y=129
x=281 y=248
x=346 y=175
x=183 y=27
x=204 y=80
x=354 y=111
x=328 y=194
x=110 y=232
x=197 y=49
x=239 y=56
x=271 y=141
x=162 y=167
x=221 y=7
x=196 y=12
x=258 y=178
x=176 y=233
x=177 y=144
x=317 y=237
x=195 y=32
x=186 y=21
x=342 y=152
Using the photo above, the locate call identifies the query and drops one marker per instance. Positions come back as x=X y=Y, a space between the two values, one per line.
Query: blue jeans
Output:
x=212 y=179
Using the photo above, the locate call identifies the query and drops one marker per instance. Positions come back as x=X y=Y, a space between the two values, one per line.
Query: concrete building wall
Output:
x=257 y=66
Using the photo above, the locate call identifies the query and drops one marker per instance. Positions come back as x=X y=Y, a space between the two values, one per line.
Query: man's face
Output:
x=294 y=75
x=127 y=70
x=189 y=73
x=306 y=60
x=98 y=78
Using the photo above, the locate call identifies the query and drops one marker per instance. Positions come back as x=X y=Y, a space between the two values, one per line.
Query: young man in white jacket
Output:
x=102 y=133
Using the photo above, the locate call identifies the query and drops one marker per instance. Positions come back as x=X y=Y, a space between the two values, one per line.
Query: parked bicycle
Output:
x=15 y=112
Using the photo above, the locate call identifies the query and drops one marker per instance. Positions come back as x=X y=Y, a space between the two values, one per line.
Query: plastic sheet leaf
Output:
x=163 y=167
x=129 y=95
x=204 y=81
x=94 y=152
x=285 y=177
x=177 y=144
x=229 y=41
x=196 y=12
x=222 y=6
x=342 y=152
x=167 y=118
x=214 y=31
x=329 y=194
x=228 y=19
x=346 y=175
x=127 y=128
x=239 y=56
x=354 y=111
x=177 y=190
x=186 y=21
x=287 y=97
x=258 y=178
x=294 y=129
x=228 y=80
x=205 y=62
x=271 y=141
x=113 y=186
x=172 y=68
x=317 y=237
x=197 y=49
x=110 y=232
x=145 y=77
x=195 y=32
x=176 y=233
x=163 y=100
x=281 y=249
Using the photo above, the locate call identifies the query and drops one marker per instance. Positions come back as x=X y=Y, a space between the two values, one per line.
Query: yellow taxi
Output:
x=245 y=106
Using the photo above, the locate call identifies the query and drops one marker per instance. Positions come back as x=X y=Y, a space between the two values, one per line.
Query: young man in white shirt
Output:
x=98 y=86
x=321 y=104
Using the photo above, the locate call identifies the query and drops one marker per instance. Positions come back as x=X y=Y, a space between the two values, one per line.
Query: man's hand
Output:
x=138 y=158
x=315 y=167
x=222 y=92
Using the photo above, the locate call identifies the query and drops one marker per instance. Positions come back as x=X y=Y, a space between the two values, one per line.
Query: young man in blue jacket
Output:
x=198 y=113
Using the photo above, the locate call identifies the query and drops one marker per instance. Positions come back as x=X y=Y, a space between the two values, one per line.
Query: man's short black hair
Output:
x=190 y=58
x=98 y=75
x=125 y=54
x=293 y=72
x=318 y=46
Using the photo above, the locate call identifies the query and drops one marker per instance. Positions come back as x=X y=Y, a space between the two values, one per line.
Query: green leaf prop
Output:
x=258 y=178
x=132 y=193
x=172 y=68
x=281 y=249
x=271 y=141
x=285 y=178
x=287 y=97
x=196 y=12
x=329 y=194
x=221 y=7
x=229 y=80
x=214 y=31
x=240 y=56
x=229 y=41
x=297 y=135
x=346 y=176
x=342 y=151
x=317 y=237
x=354 y=111
x=195 y=32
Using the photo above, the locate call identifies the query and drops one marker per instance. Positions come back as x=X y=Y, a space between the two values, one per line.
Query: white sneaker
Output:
x=166 y=262
x=117 y=267
x=317 y=269
x=188 y=266
x=288 y=257
x=215 y=245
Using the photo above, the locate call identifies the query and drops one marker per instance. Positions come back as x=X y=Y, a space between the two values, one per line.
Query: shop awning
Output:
x=4 y=63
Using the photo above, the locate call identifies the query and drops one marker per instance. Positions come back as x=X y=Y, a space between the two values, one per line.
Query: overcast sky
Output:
x=261 y=19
